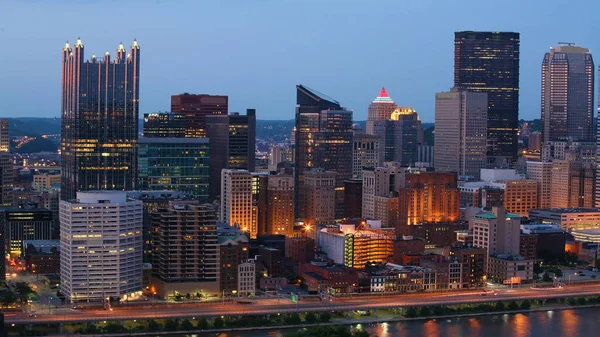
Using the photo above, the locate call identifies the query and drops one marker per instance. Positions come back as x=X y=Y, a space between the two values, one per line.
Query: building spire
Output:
x=121 y=48
x=383 y=97
x=135 y=44
x=67 y=47
x=78 y=43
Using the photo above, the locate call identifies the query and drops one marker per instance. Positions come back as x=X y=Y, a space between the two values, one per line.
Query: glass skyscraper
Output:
x=567 y=93
x=323 y=140
x=489 y=62
x=100 y=103
x=164 y=124
x=177 y=164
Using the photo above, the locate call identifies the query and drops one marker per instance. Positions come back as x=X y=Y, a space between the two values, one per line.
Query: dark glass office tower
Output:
x=489 y=62
x=164 y=124
x=242 y=140
x=196 y=108
x=232 y=145
x=323 y=140
x=99 y=131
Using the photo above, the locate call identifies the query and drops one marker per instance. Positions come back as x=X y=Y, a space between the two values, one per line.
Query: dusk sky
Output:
x=256 y=51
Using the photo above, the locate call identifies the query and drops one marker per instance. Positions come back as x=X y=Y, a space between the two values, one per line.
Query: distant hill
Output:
x=32 y=126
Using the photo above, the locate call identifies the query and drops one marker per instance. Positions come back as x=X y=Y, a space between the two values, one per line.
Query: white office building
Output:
x=101 y=246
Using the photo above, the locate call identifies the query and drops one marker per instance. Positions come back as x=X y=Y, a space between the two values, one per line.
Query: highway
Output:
x=273 y=306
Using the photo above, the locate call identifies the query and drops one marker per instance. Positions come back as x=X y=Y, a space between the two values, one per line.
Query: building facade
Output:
x=25 y=225
x=319 y=189
x=236 y=200
x=461 y=132
x=323 y=139
x=99 y=124
x=489 y=62
x=6 y=167
x=100 y=247
x=195 y=108
x=365 y=153
x=567 y=93
x=164 y=125
x=185 y=249
x=497 y=231
x=179 y=164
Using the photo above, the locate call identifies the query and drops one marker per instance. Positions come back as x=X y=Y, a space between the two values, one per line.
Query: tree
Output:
x=437 y=310
x=293 y=319
x=115 y=328
x=525 y=305
x=188 y=296
x=499 y=306
x=7 y=297
x=546 y=277
x=154 y=326
x=24 y=291
x=198 y=295
x=360 y=333
x=513 y=305
x=218 y=323
x=203 y=324
x=411 y=313
x=571 y=258
x=581 y=301
x=171 y=325
x=324 y=317
x=187 y=325
x=310 y=318
x=424 y=311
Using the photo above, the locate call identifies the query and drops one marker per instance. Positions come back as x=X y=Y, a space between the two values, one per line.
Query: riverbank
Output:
x=341 y=321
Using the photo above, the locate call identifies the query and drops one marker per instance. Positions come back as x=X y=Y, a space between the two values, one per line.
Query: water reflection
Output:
x=561 y=323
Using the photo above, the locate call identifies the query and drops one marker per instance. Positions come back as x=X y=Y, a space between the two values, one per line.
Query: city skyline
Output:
x=248 y=39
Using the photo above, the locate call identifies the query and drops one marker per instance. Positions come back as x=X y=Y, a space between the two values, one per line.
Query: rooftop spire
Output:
x=135 y=45
x=78 y=43
x=121 y=47
x=67 y=46
x=383 y=97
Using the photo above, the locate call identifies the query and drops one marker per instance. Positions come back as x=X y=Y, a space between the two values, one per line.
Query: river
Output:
x=559 y=323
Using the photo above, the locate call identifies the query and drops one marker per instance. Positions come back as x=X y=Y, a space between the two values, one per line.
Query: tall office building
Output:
x=489 y=62
x=399 y=136
x=366 y=153
x=573 y=183
x=99 y=126
x=195 y=108
x=567 y=93
x=378 y=182
x=24 y=225
x=6 y=168
x=380 y=110
x=232 y=142
x=541 y=171
x=236 y=201
x=242 y=140
x=100 y=246
x=164 y=125
x=497 y=231
x=460 y=132
x=178 y=164
x=185 y=249
x=323 y=140
x=280 y=204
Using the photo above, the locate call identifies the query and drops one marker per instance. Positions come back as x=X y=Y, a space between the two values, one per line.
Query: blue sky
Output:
x=256 y=51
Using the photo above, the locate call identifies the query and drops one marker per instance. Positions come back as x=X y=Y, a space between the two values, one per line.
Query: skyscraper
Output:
x=6 y=169
x=567 y=93
x=100 y=246
x=366 y=153
x=460 y=132
x=99 y=127
x=232 y=142
x=323 y=140
x=196 y=108
x=380 y=109
x=489 y=62
x=236 y=200
x=178 y=164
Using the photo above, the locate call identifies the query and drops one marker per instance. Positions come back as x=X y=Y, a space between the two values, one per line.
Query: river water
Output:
x=558 y=323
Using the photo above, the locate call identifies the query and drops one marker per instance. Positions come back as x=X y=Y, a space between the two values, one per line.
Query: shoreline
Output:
x=375 y=320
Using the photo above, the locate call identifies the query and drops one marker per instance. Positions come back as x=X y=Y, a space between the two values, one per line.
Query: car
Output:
x=483 y=294
x=78 y=307
x=32 y=315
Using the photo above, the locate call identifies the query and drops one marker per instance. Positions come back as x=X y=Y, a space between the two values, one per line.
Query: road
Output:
x=273 y=306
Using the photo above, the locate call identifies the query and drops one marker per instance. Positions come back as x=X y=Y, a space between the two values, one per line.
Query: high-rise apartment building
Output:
x=195 y=108
x=567 y=93
x=99 y=126
x=236 y=201
x=100 y=246
x=461 y=132
x=489 y=62
x=323 y=140
x=429 y=197
x=178 y=164
x=6 y=168
x=185 y=249
x=320 y=193
x=365 y=153
x=164 y=125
